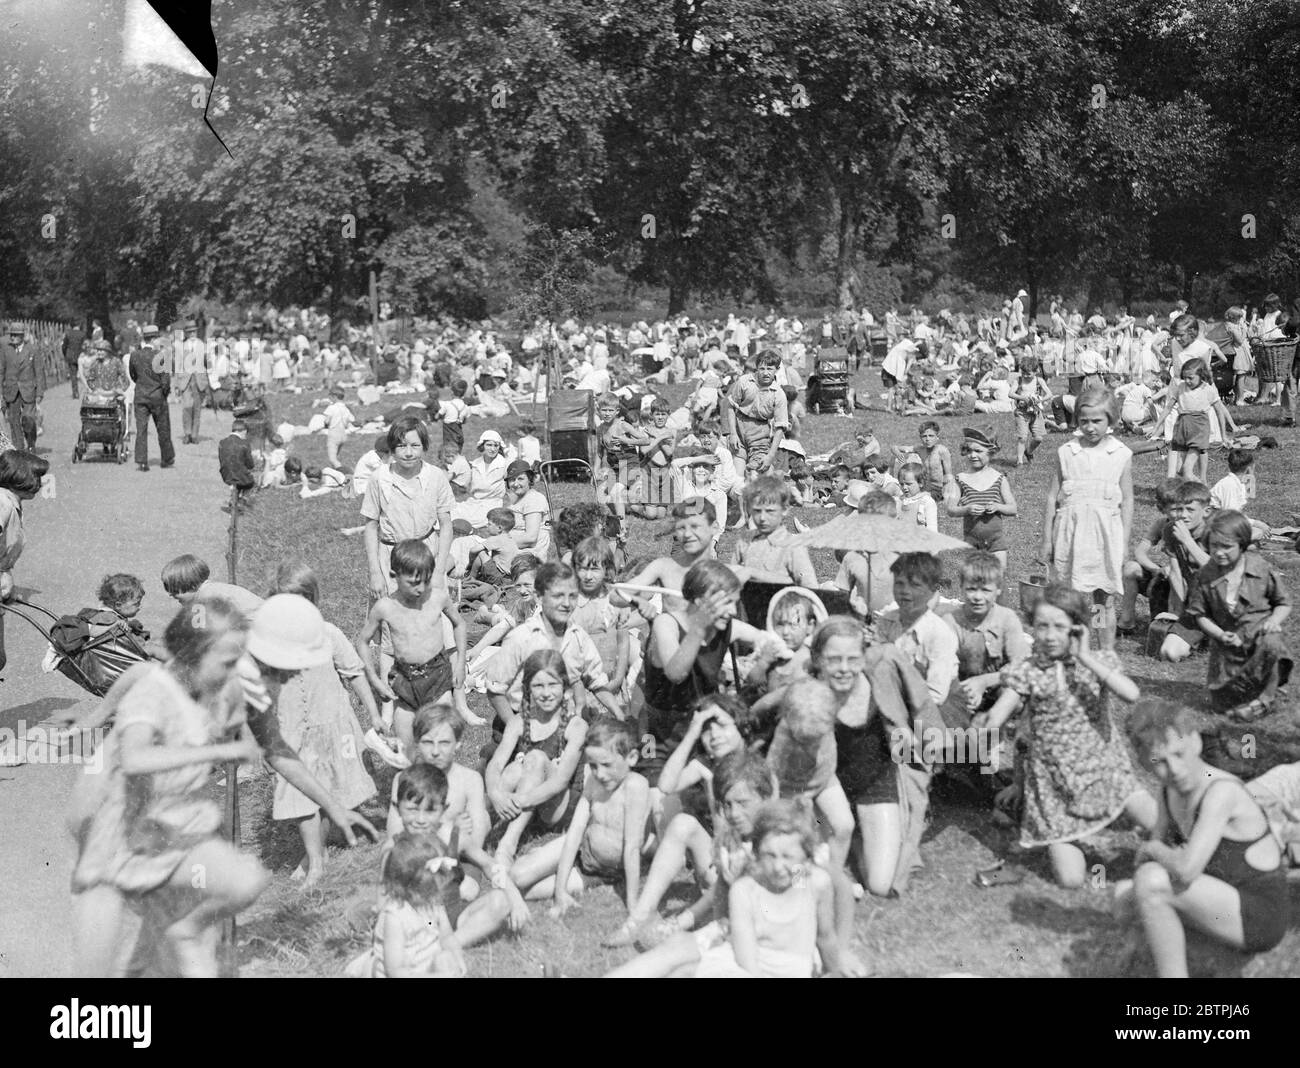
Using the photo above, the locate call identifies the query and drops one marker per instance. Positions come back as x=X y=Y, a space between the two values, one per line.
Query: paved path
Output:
x=103 y=517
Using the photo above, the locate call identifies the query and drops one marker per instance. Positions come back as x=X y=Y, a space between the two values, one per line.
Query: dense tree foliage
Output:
x=484 y=157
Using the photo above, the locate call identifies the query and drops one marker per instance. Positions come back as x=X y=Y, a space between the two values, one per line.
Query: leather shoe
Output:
x=142 y=467
x=170 y=463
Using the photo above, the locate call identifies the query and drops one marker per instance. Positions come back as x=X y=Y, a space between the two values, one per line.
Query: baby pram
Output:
x=103 y=422
x=828 y=386
x=92 y=648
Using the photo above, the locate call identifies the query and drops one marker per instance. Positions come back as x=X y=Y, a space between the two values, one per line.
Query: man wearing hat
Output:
x=152 y=378
x=22 y=384
x=191 y=383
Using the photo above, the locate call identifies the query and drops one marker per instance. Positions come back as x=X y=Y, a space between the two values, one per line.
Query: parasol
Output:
x=867 y=534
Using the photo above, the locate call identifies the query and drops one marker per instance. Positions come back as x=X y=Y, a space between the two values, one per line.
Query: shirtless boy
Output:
x=422 y=672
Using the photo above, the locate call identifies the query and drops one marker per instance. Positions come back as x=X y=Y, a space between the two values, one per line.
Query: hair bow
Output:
x=440 y=864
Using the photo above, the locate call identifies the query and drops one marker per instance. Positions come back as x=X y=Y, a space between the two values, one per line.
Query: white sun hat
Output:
x=288 y=632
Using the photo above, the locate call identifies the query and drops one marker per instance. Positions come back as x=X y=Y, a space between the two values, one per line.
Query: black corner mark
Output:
x=191 y=22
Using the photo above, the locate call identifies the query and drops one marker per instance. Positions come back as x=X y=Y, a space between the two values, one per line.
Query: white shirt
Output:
x=338 y=416
x=931 y=644
x=1229 y=494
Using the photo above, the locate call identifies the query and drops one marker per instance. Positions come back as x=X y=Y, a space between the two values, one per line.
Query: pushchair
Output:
x=828 y=386
x=92 y=648
x=103 y=422
x=571 y=435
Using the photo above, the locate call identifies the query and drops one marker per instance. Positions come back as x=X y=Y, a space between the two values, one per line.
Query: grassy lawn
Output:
x=944 y=924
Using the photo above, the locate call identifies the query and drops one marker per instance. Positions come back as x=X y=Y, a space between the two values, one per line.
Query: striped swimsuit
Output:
x=982 y=531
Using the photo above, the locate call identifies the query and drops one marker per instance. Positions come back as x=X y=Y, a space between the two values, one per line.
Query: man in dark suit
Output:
x=73 y=341
x=22 y=384
x=151 y=373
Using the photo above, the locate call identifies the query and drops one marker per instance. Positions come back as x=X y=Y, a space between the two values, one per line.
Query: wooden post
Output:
x=229 y=929
x=374 y=326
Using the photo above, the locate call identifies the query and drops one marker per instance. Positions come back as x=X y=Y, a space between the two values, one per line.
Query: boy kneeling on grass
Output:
x=1211 y=862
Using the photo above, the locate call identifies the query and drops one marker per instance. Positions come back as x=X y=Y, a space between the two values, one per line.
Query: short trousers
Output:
x=1155 y=588
x=453 y=434
x=1191 y=432
x=888 y=380
x=986 y=534
x=1030 y=426
x=864 y=765
x=418 y=684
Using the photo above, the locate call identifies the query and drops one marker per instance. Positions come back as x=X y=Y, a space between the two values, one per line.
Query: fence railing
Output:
x=49 y=343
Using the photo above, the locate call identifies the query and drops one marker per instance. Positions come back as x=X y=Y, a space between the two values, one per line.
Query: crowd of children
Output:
x=642 y=730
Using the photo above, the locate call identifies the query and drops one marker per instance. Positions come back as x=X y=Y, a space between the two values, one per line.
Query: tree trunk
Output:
x=677 y=294
x=99 y=304
x=847 y=283
x=165 y=311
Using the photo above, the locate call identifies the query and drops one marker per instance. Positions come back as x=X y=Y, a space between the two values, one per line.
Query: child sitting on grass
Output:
x=989 y=637
x=1144 y=575
x=1184 y=535
x=538 y=762
x=422 y=805
x=722 y=728
x=413 y=936
x=867 y=577
x=1211 y=862
x=609 y=626
x=1235 y=489
x=764 y=553
x=915 y=505
x=497 y=548
x=782 y=911
x=609 y=832
x=1240 y=602
x=421 y=672
x=913 y=626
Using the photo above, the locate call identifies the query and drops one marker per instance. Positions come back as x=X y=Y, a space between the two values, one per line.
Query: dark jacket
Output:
x=22 y=373
x=235 y=456
x=150 y=383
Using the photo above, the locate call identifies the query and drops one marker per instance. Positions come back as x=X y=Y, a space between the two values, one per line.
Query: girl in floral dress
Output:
x=1079 y=776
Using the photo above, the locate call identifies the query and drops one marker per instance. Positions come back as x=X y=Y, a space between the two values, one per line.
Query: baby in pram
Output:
x=95 y=646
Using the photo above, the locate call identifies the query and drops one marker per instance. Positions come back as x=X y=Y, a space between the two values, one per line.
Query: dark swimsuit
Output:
x=1265 y=903
x=418 y=684
x=864 y=764
x=668 y=704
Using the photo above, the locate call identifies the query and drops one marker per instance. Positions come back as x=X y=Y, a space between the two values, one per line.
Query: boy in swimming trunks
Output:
x=1223 y=874
x=607 y=836
x=422 y=672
